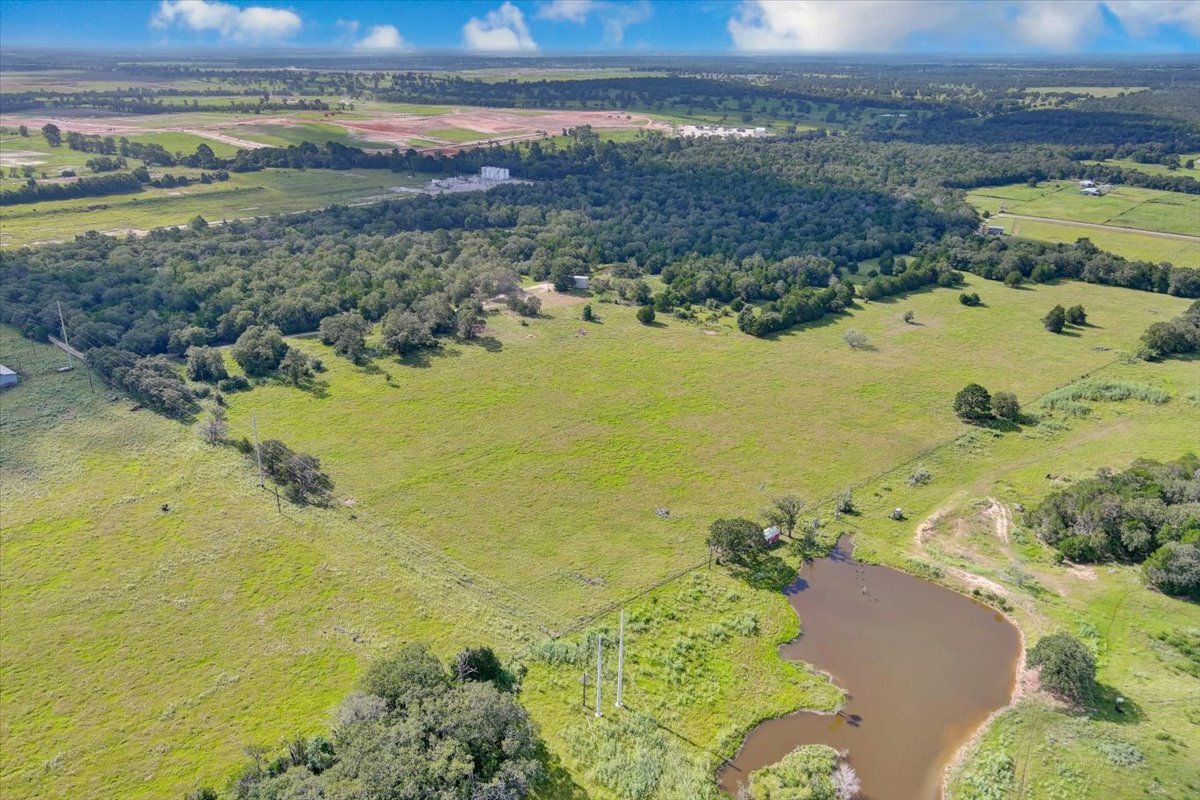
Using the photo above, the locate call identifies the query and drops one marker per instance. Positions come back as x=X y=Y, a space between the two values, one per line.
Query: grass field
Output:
x=1125 y=206
x=1128 y=243
x=248 y=194
x=297 y=134
x=1128 y=211
x=142 y=648
x=1156 y=169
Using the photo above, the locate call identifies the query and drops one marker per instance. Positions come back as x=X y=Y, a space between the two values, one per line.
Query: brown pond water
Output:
x=923 y=667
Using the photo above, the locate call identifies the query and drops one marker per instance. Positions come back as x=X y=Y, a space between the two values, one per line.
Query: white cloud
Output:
x=250 y=24
x=566 y=10
x=381 y=37
x=614 y=17
x=502 y=30
x=1145 y=17
x=820 y=26
x=874 y=25
x=1061 y=25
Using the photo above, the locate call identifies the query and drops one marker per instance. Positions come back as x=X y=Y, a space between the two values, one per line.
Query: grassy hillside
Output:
x=143 y=647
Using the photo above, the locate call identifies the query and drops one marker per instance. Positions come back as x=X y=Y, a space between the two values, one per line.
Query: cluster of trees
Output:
x=974 y=403
x=99 y=186
x=1149 y=513
x=1175 y=337
x=151 y=380
x=1058 y=318
x=995 y=259
x=299 y=474
x=413 y=729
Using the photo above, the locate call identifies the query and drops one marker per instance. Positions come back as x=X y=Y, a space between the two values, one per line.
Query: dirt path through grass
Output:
x=1100 y=226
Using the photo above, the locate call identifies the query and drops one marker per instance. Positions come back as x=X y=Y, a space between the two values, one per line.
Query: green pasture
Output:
x=1155 y=169
x=461 y=134
x=142 y=649
x=1127 y=243
x=1125 y=206
x=249 y=194
x=299 y=133
x=620 y=419
x=491 y=491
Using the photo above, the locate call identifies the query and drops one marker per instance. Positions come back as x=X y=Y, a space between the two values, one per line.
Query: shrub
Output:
x=645 y=314
x=1014 y=279
x=1068 y=668
x=1005 y=406
x=588 y=314
x=806 y=772
x=969 y=298
x=1174 y=569
x=1076 y=315
x=919 y=477
x=855 y=338
x=973 y=403
x=909 y=317
x=235 y=383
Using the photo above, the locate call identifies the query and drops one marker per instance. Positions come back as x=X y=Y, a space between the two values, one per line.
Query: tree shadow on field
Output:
x=489 y=343
x=796 y=330
x=318 y=389
x=1103 y=707
x=423 y=358
x=765 y=571
x=558 y=781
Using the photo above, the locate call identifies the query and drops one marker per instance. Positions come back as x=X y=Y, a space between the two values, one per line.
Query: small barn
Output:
x=1086 y=184
x=771 y=535
x=994 y=230
x=7 y=377
x=1091 y=191
x=580 y=281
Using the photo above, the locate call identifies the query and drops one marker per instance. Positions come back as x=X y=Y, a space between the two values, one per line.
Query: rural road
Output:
x=1160 y=234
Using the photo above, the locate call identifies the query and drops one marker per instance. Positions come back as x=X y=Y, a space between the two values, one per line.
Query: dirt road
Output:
x=1118 y=228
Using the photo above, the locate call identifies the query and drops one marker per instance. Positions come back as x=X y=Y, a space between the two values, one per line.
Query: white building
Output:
x=7 y=377
x=580 y=281
x=494 y=173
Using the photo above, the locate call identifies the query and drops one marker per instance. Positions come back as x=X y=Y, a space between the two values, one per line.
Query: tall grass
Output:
x=1067 y=399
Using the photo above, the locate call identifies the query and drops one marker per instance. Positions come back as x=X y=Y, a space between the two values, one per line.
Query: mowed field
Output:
x=1124 y=221
x=244 y=195
x=144 y=646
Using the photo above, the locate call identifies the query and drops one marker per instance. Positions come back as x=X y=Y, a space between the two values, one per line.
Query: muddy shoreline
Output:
x=923 y=670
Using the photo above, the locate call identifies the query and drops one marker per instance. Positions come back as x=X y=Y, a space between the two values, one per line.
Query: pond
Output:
x=922 y=666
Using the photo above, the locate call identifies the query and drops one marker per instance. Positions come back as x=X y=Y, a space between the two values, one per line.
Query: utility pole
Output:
x=621 y=660
x=63 y=327
x=583 y=680
x=599 y=664
x=257 y=449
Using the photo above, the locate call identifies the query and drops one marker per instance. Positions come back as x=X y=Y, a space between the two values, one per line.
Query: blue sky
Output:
x=550 y=26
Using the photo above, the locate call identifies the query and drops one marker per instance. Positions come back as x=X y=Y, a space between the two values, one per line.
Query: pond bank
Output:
x=923 y=668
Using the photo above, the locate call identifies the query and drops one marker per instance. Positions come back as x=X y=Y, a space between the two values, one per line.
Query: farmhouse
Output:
x=7 y=377
x=994 y=230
